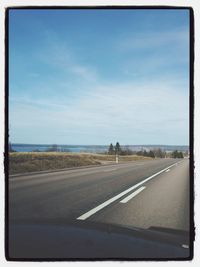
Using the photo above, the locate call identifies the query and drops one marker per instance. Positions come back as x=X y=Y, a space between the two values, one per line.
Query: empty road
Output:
x=140 y=194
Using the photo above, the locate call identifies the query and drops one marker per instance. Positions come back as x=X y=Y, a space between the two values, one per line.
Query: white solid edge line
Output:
x=109 y=201
x=135 y=193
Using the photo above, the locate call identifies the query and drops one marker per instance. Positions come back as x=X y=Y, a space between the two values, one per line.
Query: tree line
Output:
x=177 y=154
x=156 y=153
x=118 y=150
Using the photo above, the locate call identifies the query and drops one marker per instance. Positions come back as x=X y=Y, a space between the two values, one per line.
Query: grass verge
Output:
x=24 y=162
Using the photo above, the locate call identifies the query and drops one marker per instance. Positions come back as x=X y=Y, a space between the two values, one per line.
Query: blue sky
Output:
x=99 y=76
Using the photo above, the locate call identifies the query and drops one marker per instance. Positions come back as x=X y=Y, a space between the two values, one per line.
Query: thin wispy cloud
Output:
x=84 y=72
x=87 y=81
x=64 y=60
x=153 y=40
x=114 y=110
x=155 y=53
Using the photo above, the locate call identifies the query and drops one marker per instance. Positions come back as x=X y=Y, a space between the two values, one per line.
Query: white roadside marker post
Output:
x=117 y=158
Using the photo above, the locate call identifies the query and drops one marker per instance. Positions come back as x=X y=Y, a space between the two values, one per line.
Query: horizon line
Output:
x=13 y=143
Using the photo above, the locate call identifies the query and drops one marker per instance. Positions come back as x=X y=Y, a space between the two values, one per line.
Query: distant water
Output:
x=62 y=148
x=91 y=148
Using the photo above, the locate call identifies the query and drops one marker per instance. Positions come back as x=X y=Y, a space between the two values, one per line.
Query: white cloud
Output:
x=135 y=112
x=131 y=113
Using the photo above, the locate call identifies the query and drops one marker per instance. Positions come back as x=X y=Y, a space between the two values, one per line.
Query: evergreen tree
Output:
x=117 y=148
x=177 y=154
x=159 y=153
x=145 y=154
x=181 y=155
x=139 y=153
x=151 y=154
x=111 y=149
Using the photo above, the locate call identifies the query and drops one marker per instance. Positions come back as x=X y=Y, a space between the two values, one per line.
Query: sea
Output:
x=91 y=148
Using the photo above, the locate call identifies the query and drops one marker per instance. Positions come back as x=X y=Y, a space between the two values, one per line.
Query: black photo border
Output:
x=191 y=127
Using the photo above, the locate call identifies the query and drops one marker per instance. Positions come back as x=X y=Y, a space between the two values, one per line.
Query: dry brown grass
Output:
x=23 y=162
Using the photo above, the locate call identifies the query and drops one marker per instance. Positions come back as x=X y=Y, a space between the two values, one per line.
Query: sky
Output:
x=99 y=76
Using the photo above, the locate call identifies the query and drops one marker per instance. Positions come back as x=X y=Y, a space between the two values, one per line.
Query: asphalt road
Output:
x=141 y=194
